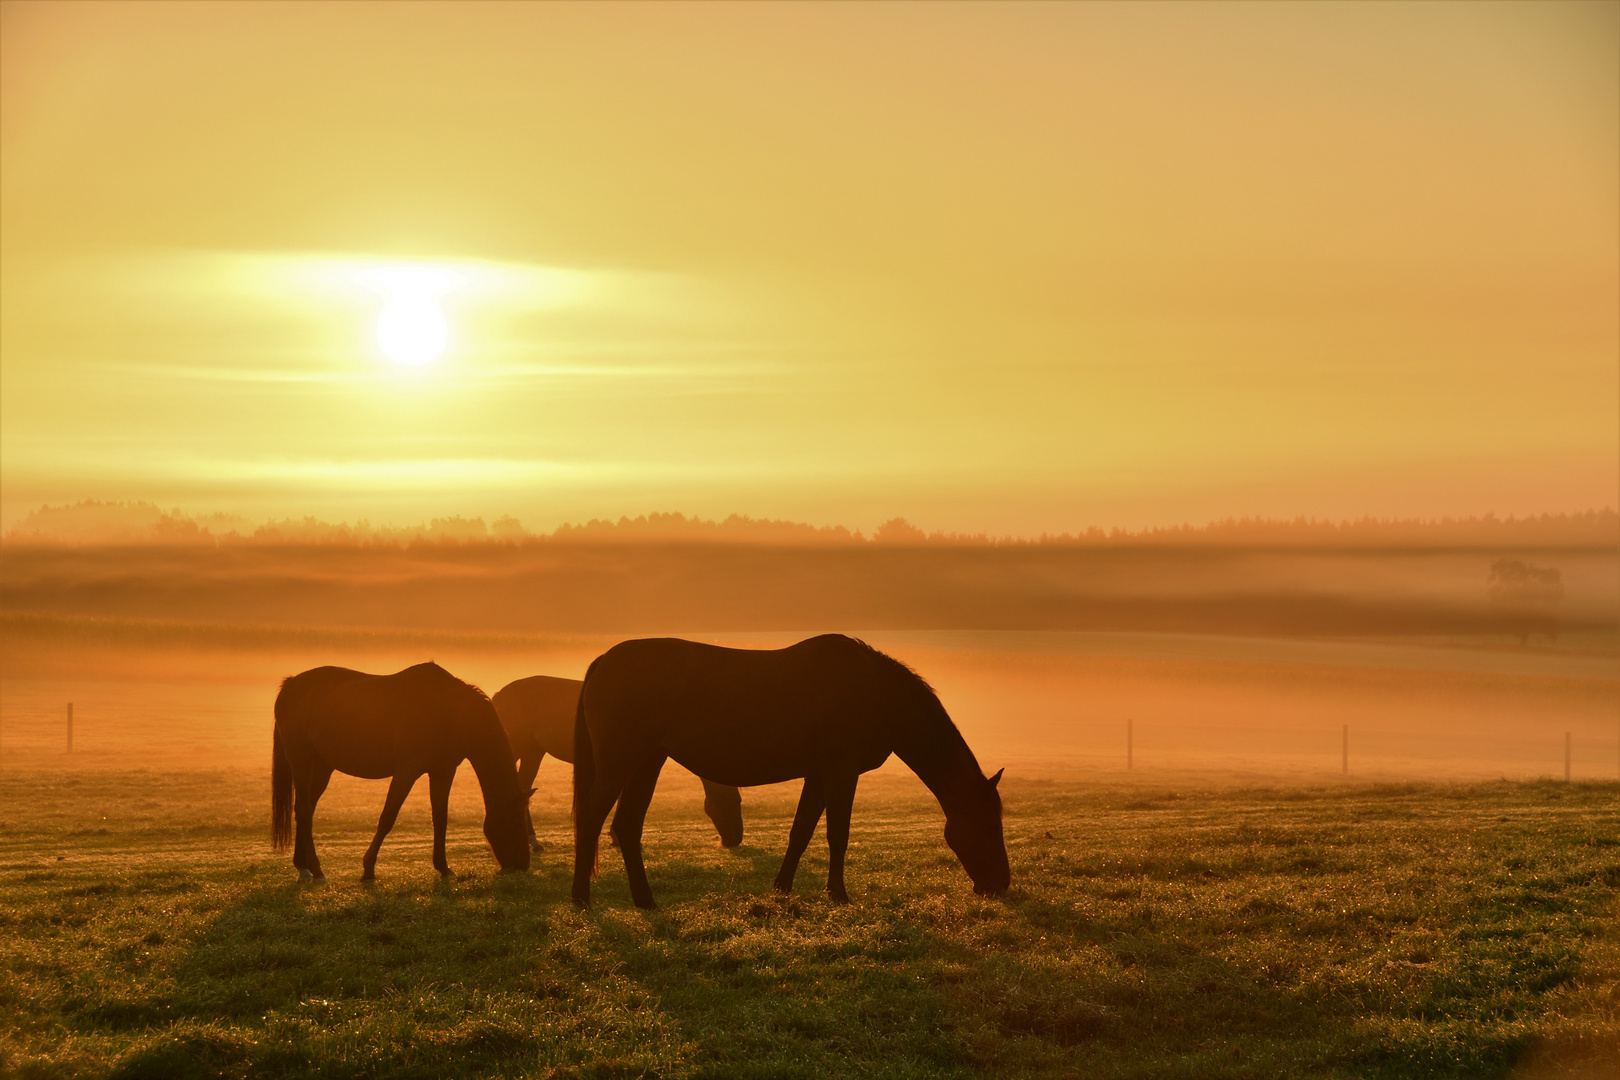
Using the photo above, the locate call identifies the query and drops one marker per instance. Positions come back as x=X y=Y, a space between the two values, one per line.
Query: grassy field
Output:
x=146 y=930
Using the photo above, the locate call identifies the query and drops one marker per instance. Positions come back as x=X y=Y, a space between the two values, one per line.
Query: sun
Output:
x=412 y=330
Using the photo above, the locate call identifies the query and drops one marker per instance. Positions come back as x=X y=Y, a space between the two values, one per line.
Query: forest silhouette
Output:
x=668 y=572
x=95 y=522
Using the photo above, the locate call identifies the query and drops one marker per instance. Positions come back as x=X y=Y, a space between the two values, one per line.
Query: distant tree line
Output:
x=114 y=523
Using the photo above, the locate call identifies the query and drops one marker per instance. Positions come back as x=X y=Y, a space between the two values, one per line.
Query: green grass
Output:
x=1416 y=931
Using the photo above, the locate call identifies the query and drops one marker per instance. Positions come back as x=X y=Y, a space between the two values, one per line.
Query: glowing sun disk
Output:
x=412 y=330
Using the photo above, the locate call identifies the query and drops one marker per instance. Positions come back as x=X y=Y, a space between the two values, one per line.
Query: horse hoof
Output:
x=839 y=896
x=320 y=879
x=304 y=876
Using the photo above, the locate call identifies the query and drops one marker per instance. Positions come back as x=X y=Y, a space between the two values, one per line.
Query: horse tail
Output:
x=281 y=794
x=584 y=778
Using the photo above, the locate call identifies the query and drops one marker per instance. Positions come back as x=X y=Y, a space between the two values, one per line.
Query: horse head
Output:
x=724 y=806
x=730 y=828
x=506 y=828
x=973 y=830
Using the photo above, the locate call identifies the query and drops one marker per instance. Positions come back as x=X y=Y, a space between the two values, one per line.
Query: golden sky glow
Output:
x=1002 y=267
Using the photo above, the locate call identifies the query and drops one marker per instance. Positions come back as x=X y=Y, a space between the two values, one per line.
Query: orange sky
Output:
x=1003 y=267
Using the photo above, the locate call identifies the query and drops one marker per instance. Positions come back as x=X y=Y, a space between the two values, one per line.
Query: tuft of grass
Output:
x=1403 y=931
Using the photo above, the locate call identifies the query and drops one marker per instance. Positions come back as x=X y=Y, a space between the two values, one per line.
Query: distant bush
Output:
x=1526 y=596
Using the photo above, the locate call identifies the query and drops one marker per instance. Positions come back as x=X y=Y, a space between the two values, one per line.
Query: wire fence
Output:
x=181 y=725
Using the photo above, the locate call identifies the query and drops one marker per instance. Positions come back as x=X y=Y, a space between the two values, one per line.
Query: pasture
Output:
x=1153 y=930
x=1231 y=907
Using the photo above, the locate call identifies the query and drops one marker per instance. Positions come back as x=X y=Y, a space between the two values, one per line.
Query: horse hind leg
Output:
x=307 y=790
x=840 y=804
x=397 y=790
x=605 y=785
x=812 y=800
x=627 y=825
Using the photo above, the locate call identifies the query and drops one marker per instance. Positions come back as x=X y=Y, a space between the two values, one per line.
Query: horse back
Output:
x=377 y=725
x=747 y=716
x=538 y=714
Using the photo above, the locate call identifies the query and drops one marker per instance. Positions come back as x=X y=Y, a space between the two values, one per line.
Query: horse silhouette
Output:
x=420 y=720
x=826 y=709
x=538 y=715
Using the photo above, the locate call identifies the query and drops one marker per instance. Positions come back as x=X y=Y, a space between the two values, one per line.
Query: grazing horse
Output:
x=538 y=715
x=826 y=709
x=420 y=720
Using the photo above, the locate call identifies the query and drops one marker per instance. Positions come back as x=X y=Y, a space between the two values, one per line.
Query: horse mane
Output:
x=925 y=694
x=436 y=669
x=899 y=667
x=909 y=678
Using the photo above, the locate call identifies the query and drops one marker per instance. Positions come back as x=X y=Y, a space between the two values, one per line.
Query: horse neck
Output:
x=941 y=759
x=492 y=762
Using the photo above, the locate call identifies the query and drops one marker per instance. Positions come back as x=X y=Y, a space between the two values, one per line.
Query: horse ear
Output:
x=996 y=779
x=531 y=792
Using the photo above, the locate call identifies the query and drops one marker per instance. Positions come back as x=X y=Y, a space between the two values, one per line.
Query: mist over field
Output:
x=1233 y=655
x=677 y=574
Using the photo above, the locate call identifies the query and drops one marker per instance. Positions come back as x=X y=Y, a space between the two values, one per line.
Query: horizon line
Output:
x=92 y=521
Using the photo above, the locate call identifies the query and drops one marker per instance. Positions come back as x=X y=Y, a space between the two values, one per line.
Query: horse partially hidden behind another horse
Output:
x=826 y=709
x=538 y=715
x=420 y=720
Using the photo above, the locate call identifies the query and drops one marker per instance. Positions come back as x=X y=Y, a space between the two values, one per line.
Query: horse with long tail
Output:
x=420 y=720
x=825 y=710
x=538 y=715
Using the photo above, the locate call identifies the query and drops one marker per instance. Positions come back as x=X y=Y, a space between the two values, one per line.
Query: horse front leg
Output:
x=307 y=790
x=528 y=769
x=812 y=800
x=397 y=790
x=627 y=826
x=840 y=804
x=439 y=781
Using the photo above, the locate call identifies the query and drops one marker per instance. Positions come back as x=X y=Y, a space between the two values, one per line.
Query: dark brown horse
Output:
x=538 y=714
x=420 y=720
x=826 y=709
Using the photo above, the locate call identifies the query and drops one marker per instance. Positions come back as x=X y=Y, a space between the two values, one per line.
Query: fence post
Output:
x=1344 y=764
x=1130 y=744
x=1566 y=757
x=70 y=727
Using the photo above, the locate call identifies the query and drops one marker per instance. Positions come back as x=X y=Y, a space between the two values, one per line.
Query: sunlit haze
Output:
x=1054 y=539
x=1015 y=268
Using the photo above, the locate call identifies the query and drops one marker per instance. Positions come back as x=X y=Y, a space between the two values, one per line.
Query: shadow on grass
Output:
x=1296 y=945
x=499 y=974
